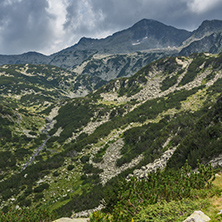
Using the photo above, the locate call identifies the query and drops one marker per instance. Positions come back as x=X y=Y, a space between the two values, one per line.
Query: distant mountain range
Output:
x=127 y=51
x=146 y=34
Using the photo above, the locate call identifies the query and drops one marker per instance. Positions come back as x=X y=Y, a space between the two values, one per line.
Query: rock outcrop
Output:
x=152 y=167
x=217 y=162
x=197 y=216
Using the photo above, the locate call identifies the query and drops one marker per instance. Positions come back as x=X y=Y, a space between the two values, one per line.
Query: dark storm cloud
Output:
x=51 y=25
x=123 y=13
x=119 y=14
x=24 y=25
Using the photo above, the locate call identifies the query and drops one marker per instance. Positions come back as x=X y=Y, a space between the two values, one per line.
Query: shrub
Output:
x=98 y=216
x=26 y=202
x=41 y=214
x=168 y=82
x=130 y=196
x=70 y=167
x=38 y=196
x=56 y=173
x=172 y=211
x=88 y=168
x=41 y=187
x=85 y=159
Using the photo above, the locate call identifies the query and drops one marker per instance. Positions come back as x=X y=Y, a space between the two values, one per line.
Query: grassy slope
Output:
x=167 y=114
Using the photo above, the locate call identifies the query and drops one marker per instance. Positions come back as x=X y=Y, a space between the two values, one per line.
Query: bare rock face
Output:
x=152 y=167
x=216 y=162
x=197 y=216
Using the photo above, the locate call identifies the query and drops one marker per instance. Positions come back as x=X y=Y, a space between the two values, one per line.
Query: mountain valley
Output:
x=75 y=123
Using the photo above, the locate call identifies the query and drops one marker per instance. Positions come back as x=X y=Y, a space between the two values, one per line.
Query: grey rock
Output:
x=86 y=213
x=152 y=167
x=220 y=212
x=197 y=216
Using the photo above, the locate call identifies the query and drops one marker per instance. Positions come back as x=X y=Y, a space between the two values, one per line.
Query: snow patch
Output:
x=136 y=43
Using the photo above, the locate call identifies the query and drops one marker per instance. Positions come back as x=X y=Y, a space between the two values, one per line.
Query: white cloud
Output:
x=57 y=10
x=82 y=16
x=83 y=20
x=201 y=6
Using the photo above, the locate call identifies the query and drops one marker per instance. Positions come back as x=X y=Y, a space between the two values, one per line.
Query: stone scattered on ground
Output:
x=66 y=219
x=152 y=167
x=220 y=212
x=197 y=216
x=86 y=213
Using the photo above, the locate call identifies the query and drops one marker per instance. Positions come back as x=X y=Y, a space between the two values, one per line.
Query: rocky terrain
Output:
x=68 y=134
x=130 y=126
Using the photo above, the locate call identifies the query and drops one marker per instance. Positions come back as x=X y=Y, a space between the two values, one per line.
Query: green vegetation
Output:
x=203 y=142
x=154 y=198
x=168 y=82
x=170 y=211
x=63 y=176
x=73 y=116
x=149 y=137
x=26 y=215
x=193 y=69
x=99 y=155
x=7 y=159
x=41 y=187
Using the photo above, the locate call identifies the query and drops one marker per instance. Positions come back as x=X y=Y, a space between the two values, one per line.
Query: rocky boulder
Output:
x=197 y=216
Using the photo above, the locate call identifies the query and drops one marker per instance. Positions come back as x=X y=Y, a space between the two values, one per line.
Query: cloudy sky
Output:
x=47 y=26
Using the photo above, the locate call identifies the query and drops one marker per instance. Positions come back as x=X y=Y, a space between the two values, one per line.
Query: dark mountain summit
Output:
x=208 y=27
x=145 y=34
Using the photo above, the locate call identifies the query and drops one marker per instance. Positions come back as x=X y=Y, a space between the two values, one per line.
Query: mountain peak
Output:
x=208 y=27
x=158 y=34
x=146 y=21
x=85 y=39
x=32 y=53
x=215 y=23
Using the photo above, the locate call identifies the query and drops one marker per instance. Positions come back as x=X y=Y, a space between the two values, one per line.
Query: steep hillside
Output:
x=42 y=84
x=68 y=153
x=211 y=43
x=108 y=67
x=207 y=28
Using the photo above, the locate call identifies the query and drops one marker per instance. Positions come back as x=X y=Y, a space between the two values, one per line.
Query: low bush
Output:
x=170 y=211
x=41 y=187
x=26 y=215
x=158 y=188
x=70 y=167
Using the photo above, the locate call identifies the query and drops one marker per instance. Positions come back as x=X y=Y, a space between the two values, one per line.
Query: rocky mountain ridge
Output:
x=127 y=51
x=145 y=34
